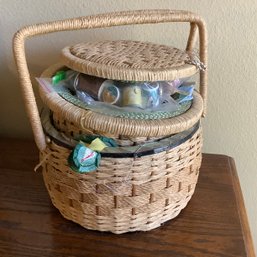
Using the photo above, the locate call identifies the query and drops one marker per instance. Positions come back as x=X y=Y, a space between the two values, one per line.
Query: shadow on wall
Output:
x=14 y=122
x=12 y=118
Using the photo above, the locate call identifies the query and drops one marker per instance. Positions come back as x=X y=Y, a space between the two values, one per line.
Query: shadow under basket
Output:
x=125 y=194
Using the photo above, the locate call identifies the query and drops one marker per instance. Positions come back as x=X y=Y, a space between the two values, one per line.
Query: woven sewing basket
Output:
x=135 y=191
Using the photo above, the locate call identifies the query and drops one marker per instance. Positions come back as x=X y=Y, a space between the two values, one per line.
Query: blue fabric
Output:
x=82 y=159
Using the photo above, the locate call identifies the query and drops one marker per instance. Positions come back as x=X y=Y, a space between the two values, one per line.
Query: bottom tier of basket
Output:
x=124 y=194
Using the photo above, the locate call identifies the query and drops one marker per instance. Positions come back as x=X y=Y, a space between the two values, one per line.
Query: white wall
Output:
x=230 y=127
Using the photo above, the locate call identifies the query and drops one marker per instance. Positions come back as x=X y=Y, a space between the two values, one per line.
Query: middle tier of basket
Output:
x=74 y=121
x=71 y=130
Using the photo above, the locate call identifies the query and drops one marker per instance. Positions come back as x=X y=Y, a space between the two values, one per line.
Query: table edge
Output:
x=241 y=209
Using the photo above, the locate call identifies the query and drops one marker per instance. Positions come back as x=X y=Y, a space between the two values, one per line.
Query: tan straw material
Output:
x=124 y=194
x=72 y=130
x=128 y=60
x=102 y=21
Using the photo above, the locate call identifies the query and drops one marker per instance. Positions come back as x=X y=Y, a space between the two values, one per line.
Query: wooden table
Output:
x=213 y=224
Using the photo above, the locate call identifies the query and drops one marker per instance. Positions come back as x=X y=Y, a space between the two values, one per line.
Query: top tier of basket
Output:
x=132 y=61
x=129 y=60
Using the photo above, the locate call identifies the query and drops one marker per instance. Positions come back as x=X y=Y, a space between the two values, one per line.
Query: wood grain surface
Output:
x=214 y=224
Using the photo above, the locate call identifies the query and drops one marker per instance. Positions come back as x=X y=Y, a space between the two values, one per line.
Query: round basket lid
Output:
x=128 y=60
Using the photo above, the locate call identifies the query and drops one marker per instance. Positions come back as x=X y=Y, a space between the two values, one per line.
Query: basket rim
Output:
x=161 y=145
x=115 y=125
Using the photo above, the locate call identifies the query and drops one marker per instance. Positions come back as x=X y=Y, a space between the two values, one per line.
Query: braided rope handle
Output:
x=101 y=21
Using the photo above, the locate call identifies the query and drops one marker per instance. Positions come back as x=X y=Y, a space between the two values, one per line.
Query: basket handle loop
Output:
x=101 y=21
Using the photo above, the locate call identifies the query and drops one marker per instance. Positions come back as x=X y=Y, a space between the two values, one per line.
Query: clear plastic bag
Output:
x=132 y=95
x=138 y=100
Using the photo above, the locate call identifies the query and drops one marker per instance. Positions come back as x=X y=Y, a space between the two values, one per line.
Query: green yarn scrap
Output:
x=59 y=76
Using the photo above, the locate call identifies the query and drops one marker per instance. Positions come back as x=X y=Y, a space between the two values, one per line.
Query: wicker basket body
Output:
x=124 y=194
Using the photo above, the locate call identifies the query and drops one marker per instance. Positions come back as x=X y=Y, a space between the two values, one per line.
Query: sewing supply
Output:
x=132 y=96
x=97 y=145
x=108 y=92
x=150 y=95
x=88 y=139
x=59 y=76
x=89 y=84
x=83 y=159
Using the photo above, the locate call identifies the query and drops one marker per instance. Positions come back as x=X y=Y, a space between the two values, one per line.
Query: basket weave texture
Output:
x=128 y=60
x=124 y=194
x=71 y=130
